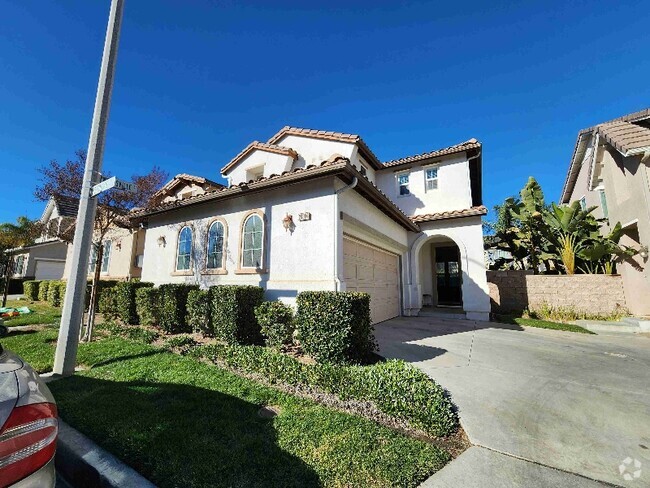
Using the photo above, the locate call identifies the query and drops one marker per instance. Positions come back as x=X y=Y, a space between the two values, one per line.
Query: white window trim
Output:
x=108 y=264
x=397 y=175
x=243 y=232
x=178 y=248
x=435 y=166
x=222 y=264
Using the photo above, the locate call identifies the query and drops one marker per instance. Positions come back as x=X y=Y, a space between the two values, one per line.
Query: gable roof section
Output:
x=451 y=214
x=456 y=148
x=336 y=165
x=260 y=146
x=625 y=134
x=66 y=206
x=182 y=179
x=325 y=135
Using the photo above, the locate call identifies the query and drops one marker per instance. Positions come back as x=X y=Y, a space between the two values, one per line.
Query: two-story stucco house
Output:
x=610 y=170
x=316 y=210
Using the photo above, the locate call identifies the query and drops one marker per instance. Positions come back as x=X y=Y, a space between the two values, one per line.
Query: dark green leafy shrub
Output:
x=335 y=326
x=101 y=285
x=132 y=332
x=55 y=293
x=181 y=343
x=30 y=289
x=394 y=387
x=125 y=308
x=198 y=311
x=147 y=301
x=108 y=303
x=173 y=307
x=43 y=289
x=276 y=323
x=233 y=313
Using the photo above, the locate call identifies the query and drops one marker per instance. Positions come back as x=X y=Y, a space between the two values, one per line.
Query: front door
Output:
x=448 y=276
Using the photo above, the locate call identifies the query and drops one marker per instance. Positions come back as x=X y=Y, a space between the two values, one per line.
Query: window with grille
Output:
x=403 y=184
x=215 y=246
x=431 y=178
x=252 y=246
x=184 y=252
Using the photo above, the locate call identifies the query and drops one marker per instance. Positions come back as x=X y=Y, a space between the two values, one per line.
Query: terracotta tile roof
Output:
x=184 y=177
x=366 y=152
x=451 y=214
x=627 y=138
x=335 y=165
x=262 y=146
x=617 y=133
x=463 y=146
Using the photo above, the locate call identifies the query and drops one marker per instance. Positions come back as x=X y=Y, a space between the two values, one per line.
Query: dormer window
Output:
x=431 y=178
x=403 y=184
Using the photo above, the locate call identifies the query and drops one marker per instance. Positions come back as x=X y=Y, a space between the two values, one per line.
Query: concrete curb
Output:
x=84 y=464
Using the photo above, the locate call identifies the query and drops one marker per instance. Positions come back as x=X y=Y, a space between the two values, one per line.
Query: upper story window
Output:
x=215 y=245
x=431 y=178
x=107 y=256
x=253 y=239
x=583 y=203
x=403 y=184
x=363 y=170
x=603 y=203
x=184 y=251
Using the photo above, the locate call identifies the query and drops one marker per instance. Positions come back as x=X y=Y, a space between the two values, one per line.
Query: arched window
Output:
x=184 y=252
x=253 y=242
x=215 y=245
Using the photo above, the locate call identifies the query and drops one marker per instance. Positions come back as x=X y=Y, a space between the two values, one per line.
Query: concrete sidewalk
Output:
x=577 y=403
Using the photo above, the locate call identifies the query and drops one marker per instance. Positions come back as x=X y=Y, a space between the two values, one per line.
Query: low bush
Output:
x=335 y=326
x=545 y=311
x=394 y=387
x=125 y=308
x=132 y=332
x=198 y=311
x=181 y=343
x=56 y=293
x=43 y=288
x=107 y=305
x=147 y=301
x=276 y=323
x=101 y=285
x=173 y=307
x=30 y=289
x=233 y=313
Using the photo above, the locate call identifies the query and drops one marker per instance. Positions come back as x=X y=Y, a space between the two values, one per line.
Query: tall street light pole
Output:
x=73 y=305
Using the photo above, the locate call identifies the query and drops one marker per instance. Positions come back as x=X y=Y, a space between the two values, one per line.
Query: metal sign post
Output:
x=73 y=304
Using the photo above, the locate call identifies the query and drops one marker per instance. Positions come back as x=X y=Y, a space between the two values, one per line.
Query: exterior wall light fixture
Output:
x=162 y=242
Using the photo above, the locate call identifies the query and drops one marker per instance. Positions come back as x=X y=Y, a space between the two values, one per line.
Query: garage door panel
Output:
x=48 y=270
x=373 y=271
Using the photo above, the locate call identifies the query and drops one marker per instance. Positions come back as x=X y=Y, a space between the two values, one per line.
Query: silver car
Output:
x=29 y=426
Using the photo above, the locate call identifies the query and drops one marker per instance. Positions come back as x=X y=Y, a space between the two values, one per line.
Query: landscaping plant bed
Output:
x=540 y=324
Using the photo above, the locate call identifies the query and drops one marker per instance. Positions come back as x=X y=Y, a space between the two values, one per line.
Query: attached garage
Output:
x=375 y=271
x=48 y=270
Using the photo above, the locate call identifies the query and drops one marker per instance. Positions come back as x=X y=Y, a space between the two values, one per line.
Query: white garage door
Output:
x=371 y=270
x=48 y=270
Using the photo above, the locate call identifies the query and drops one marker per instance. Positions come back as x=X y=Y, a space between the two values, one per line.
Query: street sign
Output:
x=110 y=183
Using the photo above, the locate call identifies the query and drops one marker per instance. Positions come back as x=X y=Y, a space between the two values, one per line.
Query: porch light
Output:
x=162 y=242
x=643 y=252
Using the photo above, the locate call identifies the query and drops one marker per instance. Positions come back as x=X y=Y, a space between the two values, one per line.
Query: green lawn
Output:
x=44 y=313
x=542 y=324
x=181 y=422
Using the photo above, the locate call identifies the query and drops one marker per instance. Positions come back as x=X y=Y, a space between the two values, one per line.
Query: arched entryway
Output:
x=440 y=271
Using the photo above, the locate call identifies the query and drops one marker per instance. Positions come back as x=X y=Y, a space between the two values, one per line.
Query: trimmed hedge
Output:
x=56 y=293
x=276 y=323
x=147 y=305
x=43 y=288
x=101 y=285
x=198 y=311
x=30 y=289
x=334 y=327
x=107 y=303
x=396 y=388
x=233 y=313
x=125 y=308
x=173 y=307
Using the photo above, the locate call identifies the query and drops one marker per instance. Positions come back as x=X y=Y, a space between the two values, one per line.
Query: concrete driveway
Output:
x=543 y=408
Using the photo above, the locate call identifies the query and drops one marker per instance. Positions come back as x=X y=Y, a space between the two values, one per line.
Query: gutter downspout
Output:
x=337 y=280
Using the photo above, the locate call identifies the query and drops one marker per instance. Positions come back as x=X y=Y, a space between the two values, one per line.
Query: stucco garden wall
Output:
x=517 y=290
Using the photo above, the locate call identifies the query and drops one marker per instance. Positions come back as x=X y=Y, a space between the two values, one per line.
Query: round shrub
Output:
x=276 y=323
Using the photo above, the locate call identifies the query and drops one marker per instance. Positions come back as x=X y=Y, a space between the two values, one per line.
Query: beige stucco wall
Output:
x=518 y=290
x=626 y=182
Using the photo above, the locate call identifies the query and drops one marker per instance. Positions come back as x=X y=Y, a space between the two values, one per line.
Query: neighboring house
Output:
x=316 y=210
x=609 y=169
x=45 y=259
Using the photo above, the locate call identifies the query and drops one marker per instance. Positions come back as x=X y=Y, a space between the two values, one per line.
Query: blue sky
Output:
x=198 y=80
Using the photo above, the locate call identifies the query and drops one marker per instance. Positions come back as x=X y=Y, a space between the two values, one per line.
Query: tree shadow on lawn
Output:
x=181 y=435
